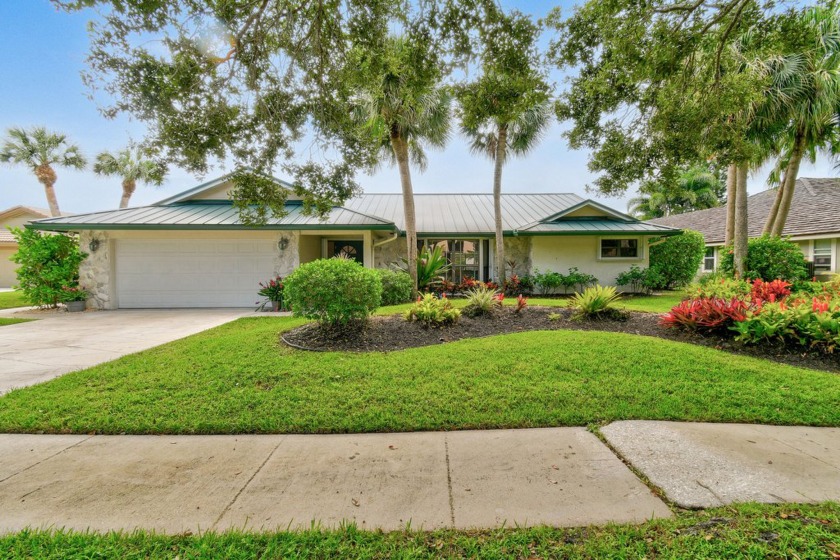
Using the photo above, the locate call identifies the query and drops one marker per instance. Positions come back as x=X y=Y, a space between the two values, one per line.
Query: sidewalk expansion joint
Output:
x=449 y=482
x=33 y=465
x=247 y=483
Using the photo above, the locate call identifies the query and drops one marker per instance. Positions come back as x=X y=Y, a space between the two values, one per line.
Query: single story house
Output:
x=14 y=217
x=191 y=250
x=813 y=223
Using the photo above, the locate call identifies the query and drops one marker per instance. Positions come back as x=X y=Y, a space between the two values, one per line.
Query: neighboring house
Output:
x=14 y=217
x=813 y=223
x=191 y=250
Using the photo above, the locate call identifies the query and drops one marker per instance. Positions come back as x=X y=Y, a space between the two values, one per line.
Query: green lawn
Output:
x=740 y=531
x=9 y=300
x=9 y=321
x=651 y=304
x=238 y=378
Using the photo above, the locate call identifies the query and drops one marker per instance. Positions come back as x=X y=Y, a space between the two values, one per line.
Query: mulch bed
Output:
x=385 y=334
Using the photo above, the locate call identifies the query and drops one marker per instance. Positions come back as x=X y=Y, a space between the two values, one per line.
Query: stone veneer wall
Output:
x=286 y=261
x=517 y=249
x=389 y=253
x=95 y=270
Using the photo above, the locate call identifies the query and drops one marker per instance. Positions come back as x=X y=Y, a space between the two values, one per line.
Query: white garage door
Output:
x=191 y=272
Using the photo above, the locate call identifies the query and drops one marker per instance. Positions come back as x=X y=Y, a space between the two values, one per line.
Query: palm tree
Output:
x=404 y=109
x=697 y=188
x=806 y=97
x=131 y=165
x=514 y=130
x=40 y=150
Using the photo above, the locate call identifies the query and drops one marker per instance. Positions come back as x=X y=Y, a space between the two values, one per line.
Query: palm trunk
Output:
x=774 y=210
x=741 y=235
x=731 y=195
x=46 y=176
x=501 y=153
x=128 y=186
x=400 y=147
x=789 y=183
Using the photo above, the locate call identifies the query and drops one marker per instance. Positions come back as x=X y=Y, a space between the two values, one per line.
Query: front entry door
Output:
x=349 y=249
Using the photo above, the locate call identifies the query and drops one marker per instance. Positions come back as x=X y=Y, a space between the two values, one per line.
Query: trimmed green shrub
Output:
x=333 y=291
x=639 y=280
x=48 y=266
x=432 y=311
x=769 y=258
x=482 y=301
x=396 y=286
x=597 y=301
x=675 y=261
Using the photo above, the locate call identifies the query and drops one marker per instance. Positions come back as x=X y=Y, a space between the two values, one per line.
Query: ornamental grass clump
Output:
x=335 y=292
x=433 y=311
x=597 y=302
x=483 y=302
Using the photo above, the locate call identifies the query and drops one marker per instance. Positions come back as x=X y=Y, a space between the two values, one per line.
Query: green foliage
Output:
x=770 y=258
x=698 y=187
x=597 y=301
x=432 y=311
x=47 y=266
x=718 y=286
x=639 y=280
x=675 y=261
x=812 y=324
x=396 y=286
x=549 y=282
x=333 y=291
x=482 y=302
x=431 y=266
x=38 y=147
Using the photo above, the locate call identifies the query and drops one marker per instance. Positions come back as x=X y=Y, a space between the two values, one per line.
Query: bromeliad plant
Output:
x=432 y=266
x=596 y=302
x=272 y=291
x=483 y=302
x=706 y=314
x=432 y=311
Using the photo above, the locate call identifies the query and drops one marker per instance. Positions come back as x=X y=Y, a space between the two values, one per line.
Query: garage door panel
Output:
x=191 y=273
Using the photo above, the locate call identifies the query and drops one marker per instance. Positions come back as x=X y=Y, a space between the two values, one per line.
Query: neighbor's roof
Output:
x=5 y=235
x=436 y=214
x=814 y=210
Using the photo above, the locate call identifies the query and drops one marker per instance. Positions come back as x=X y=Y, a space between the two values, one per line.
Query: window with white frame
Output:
x=822 y=255
x=709 y=260
x=620 y=248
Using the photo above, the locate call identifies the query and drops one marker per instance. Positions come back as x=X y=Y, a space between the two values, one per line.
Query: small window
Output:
x=619 y=248
x=709 y=260
x=822 y=255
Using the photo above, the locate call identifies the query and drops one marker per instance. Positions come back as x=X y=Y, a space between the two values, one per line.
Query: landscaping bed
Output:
x=388 y=333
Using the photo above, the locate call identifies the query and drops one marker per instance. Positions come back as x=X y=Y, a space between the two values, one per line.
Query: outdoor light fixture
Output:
x=93 y=245
x=283 y=244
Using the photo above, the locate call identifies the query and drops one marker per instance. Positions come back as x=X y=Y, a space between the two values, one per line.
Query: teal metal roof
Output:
x=207 y=215
x=597 y=226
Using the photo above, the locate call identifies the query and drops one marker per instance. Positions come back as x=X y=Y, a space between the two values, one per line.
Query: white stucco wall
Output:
x=8 y=278
x=559 y=253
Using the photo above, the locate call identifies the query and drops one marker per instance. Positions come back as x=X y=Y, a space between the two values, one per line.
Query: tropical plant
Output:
x=432 y=311
x=41 y=151
x=334 y=292
x=521 y=303
x=402 y=108
x=506 y=110
x=430 y=269
x=706 y=314
x=578 y=279
x=48 y=266
x=636 y=279
x=596 y=301
x=548 y=282
x=674 y=262
x=73 y=293
x=696 y=188
x=131 y=165
x=483 y=302
x=396 y=286
x=807 y=78
x=770 y=258
x=719 y=286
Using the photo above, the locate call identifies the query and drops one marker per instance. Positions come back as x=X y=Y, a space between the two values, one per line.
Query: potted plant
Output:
x=74 y=298
x=273 y=292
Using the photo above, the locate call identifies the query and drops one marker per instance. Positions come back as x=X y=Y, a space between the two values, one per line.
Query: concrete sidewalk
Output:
x=481 y=479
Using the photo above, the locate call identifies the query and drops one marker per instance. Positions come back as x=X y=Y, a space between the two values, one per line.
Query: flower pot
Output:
x=76 y=306
x=276 y=305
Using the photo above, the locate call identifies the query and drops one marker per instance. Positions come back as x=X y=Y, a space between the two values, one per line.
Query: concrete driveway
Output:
x=59 y=343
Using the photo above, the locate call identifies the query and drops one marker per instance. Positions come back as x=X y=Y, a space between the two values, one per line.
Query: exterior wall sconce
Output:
x=93 y=245
x=283 y=244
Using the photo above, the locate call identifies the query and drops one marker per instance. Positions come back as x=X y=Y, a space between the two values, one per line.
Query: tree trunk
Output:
x=741 y=235
x=501 y=154
x=789 y=183
x=46 y=176
x=400 y=147
x=774 y=210
x=731 y=194
x=128 y=186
